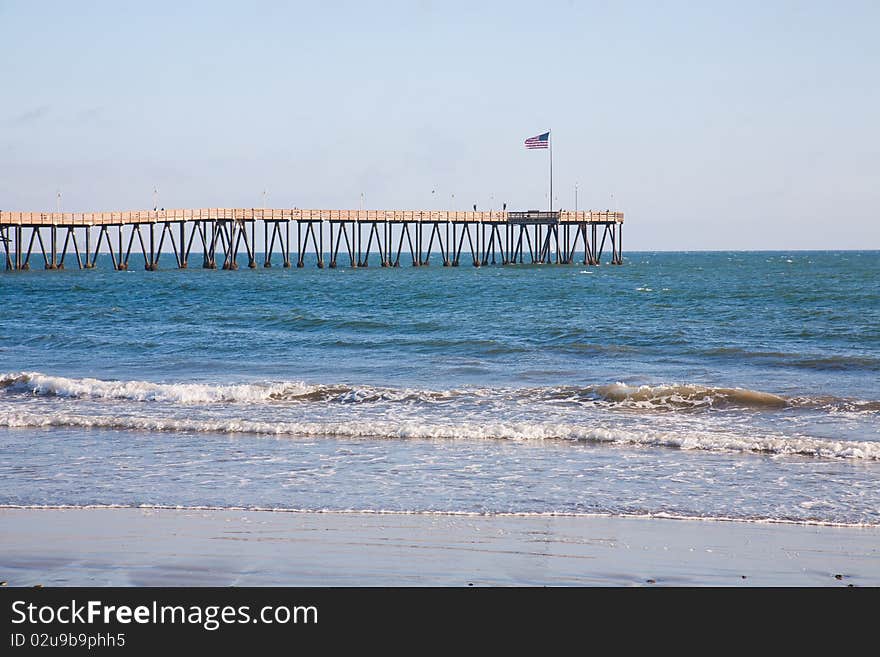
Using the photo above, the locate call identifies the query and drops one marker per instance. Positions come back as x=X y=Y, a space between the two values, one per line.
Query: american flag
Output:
x=538 y=141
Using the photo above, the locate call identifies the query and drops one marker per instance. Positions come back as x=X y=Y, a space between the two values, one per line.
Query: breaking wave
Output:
x=37 y=384
x=684 y=396
x=515 y=431
x=672 y=397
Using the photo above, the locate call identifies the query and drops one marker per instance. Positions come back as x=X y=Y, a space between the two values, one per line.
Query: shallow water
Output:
x=720 y=385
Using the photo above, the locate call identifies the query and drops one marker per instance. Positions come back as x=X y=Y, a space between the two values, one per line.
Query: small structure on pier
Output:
x=223 y=234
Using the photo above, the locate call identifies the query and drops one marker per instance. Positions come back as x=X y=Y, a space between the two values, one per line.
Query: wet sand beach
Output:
x=163 y=547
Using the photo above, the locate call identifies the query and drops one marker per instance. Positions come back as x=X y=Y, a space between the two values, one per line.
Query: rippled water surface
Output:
x=734 y=385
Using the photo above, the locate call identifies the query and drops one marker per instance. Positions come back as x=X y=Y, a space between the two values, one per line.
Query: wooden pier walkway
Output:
x=223 y=234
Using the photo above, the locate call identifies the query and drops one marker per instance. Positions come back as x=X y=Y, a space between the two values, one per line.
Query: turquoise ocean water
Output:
x=713 y=385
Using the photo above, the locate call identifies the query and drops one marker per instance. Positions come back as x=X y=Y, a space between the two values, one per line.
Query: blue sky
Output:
x=724 y=125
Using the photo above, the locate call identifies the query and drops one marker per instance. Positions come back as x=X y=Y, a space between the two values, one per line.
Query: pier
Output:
x=347 y=237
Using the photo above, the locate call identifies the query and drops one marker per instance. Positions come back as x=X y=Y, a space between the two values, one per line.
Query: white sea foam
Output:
x=660 y=515
x=186 y=393
x=516 y=431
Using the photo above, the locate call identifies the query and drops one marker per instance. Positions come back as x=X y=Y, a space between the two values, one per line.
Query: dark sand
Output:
x=138 y=547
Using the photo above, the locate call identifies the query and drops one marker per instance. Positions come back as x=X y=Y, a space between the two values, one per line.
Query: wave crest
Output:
x=690 y=396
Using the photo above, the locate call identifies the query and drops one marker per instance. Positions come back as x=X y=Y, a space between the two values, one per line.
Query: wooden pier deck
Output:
x=222 y=234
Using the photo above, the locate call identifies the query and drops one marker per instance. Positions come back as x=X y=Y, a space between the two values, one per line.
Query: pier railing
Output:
x=129 y=217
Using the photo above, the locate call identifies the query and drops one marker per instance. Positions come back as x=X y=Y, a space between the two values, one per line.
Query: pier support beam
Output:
x=267 y=245
x=252 y=247
x=89 y=264
x=19 y=248
x=183 y=259
x=5 y=239
x=619 y=244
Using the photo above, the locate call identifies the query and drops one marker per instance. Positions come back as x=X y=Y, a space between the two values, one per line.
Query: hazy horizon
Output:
x=746 y=127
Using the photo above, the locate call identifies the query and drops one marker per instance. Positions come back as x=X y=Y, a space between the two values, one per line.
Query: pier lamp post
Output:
x=575 y=197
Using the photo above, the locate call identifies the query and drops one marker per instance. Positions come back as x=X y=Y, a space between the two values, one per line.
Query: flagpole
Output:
x=550 y=144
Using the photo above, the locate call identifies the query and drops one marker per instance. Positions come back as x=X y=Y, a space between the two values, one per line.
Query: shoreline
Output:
x=209 y=547
x=433 y=513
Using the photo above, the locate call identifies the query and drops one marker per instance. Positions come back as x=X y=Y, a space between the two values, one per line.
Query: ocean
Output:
x=722 y=385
